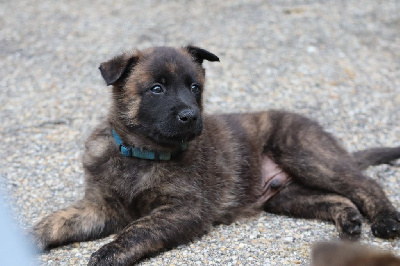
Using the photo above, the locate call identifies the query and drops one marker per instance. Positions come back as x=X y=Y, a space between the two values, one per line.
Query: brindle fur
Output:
x=154 y=205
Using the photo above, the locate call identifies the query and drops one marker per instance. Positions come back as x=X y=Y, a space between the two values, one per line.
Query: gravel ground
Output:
x=335 y=61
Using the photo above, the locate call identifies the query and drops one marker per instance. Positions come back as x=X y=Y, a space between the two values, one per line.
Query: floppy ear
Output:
x=199 y=54
x=116 y=68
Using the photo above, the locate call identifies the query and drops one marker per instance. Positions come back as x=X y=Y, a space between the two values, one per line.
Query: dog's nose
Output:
x=187 y=116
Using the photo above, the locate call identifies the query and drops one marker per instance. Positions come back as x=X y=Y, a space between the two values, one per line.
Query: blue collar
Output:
x=130 y=151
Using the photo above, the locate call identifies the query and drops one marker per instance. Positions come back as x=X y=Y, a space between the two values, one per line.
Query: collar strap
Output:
x=130 y=151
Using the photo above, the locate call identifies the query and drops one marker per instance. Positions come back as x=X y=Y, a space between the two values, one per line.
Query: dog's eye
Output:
x=157 y=89
x=195 y=88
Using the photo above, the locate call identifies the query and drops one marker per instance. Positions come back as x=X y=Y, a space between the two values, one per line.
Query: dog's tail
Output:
x=376 y=156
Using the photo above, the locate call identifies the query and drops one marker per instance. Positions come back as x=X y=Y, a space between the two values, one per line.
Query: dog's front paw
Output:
x=39 y=237
x=110 y=254
x=386 y=225
x=37 y=242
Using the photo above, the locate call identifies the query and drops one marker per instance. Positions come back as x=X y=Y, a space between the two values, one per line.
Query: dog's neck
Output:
x=138 y=140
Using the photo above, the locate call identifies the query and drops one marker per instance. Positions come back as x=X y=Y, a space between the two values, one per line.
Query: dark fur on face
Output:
x=158 y=92
x=235 y=165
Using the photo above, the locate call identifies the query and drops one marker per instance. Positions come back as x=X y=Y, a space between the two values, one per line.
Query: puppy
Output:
x=160 y=173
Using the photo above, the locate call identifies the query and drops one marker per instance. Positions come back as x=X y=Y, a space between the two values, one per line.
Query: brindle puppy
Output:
x=160 y=173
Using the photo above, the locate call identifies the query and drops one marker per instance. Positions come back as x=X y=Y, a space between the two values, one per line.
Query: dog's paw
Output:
x=109 y=254
x=349 y=224
x=386 y=225
x=39 y=237
x=37 y=242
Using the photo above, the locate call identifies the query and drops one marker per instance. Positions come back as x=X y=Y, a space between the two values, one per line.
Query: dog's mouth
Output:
x=180 y=137
x=176 y=137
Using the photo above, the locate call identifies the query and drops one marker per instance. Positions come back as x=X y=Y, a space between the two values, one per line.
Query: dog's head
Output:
x=158 y=91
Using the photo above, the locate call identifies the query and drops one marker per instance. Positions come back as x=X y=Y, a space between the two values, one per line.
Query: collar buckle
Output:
x=125 y=150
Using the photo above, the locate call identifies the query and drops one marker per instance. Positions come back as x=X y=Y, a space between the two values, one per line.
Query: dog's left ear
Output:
x=199 y=55
x=116 y=68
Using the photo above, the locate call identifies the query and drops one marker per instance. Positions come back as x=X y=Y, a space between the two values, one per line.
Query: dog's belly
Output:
x=273 y=179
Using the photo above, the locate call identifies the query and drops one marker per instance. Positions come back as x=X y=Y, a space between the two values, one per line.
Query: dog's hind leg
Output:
x=313 y=158
x=88 y=219
x=298 y=201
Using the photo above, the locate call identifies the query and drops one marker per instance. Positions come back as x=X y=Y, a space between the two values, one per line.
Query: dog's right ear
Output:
x=117 y=68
